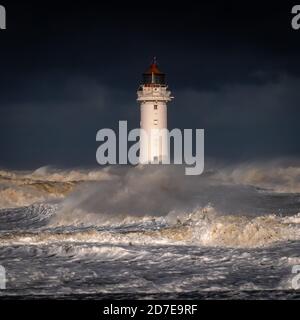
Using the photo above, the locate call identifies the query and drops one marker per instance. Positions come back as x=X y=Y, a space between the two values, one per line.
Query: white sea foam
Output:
x=219 y=208
x=149 y=186
x=204 y=227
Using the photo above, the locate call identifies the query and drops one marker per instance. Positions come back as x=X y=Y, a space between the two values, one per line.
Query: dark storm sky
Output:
x=68 y=70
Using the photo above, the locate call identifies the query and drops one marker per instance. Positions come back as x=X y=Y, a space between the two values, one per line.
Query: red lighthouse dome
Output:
x=153 y=76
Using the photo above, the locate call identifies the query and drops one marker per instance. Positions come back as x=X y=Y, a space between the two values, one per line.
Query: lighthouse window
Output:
x=155 y=107
x=155 y=121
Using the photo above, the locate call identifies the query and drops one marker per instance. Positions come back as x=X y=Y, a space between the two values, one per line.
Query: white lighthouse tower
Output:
x=153 y=95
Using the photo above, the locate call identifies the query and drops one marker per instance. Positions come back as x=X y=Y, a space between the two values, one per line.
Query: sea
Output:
x=151 y=232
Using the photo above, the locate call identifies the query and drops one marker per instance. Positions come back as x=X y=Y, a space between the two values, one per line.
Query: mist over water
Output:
x=153 y=222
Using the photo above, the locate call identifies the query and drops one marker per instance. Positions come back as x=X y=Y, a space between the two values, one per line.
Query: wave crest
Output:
x=203 y=227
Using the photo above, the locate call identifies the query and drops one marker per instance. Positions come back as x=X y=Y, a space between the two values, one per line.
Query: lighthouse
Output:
x=153 y=96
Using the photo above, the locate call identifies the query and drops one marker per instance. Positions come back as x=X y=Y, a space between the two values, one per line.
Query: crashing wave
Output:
x=202 y=227
x=162 y=199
